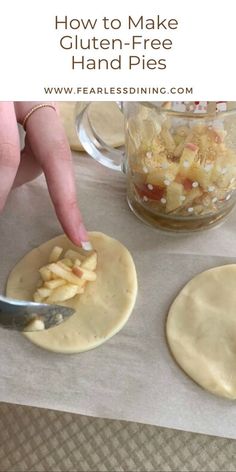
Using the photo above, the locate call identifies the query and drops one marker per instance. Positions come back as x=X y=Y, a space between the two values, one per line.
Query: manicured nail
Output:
x=86 y=245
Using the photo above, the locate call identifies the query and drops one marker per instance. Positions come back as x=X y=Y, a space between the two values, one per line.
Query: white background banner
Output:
x=100 y=50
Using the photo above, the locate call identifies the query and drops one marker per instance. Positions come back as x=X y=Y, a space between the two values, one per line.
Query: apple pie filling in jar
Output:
x=181 y=165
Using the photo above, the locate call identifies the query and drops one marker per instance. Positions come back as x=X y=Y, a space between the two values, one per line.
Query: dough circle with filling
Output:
x=101 y=311
x=201 y=330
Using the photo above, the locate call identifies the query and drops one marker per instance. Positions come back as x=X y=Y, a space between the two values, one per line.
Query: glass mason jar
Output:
x=179 y=161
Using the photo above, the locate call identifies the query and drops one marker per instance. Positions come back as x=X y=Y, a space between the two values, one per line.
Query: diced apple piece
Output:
x=199 y=129
x=84 y=274
x=73 y=255
x=209 y=149
x=198 y=209
x=162 y=177
x=173 y=170
x=207 y=201
x=65 y=274
x=54 y=283
x=147 y=130
x=154 y=158
x=187 y=159
x=37 y=298
x=77 y=263
x=55 y=254
x=227 y=180
x=160 y=161
x=64 y=266
x=168 y=140
x=187 y=183
x=174 y=193
x=66 y=261
x=44 y=292
x=224 y=169
x=54 y=277
x=182 y=131
x=90 y=262
x=63 y=293
x=193 y=147
x=45 y=273
x=156 y=177
x=204 y=140
x=220 y=168
x=35 y=325
x=179 y=148
x=220 y=194
x=200 y=173
x=80 y=290
x=192 y=195
x=179 y=140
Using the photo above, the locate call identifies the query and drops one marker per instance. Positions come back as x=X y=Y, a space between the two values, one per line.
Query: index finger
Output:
x=9 y=149
x=49 y=143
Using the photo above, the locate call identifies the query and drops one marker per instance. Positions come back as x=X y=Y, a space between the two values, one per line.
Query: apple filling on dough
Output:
x=65 y=276
x=107 y=276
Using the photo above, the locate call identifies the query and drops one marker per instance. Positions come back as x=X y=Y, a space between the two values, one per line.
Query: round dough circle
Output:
x=103 y=309
x=201 y=330
x=105 y=117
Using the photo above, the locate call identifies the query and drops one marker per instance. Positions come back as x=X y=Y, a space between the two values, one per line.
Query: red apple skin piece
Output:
x=155 y=194
x=77 y=271
x=84 y=274
x=187 y=183
x=192 y=146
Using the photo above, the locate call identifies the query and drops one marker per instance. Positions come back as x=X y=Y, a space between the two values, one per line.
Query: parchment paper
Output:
x=133 y=376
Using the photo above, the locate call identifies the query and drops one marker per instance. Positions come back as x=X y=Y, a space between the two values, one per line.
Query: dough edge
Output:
x=174 y=343
x=64 y=241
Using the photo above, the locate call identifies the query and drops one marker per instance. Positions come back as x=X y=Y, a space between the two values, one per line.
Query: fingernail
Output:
x=86 y=245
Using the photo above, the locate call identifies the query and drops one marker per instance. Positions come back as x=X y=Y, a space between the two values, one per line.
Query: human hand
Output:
x=46 y=149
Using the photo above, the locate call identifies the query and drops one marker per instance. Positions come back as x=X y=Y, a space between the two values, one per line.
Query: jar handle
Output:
x=95 y=146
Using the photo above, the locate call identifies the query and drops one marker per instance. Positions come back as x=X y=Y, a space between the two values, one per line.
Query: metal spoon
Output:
x=20 y=315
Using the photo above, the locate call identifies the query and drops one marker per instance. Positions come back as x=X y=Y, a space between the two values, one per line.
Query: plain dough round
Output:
x=201 y=330
x=103 y=309
x=106 y=118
